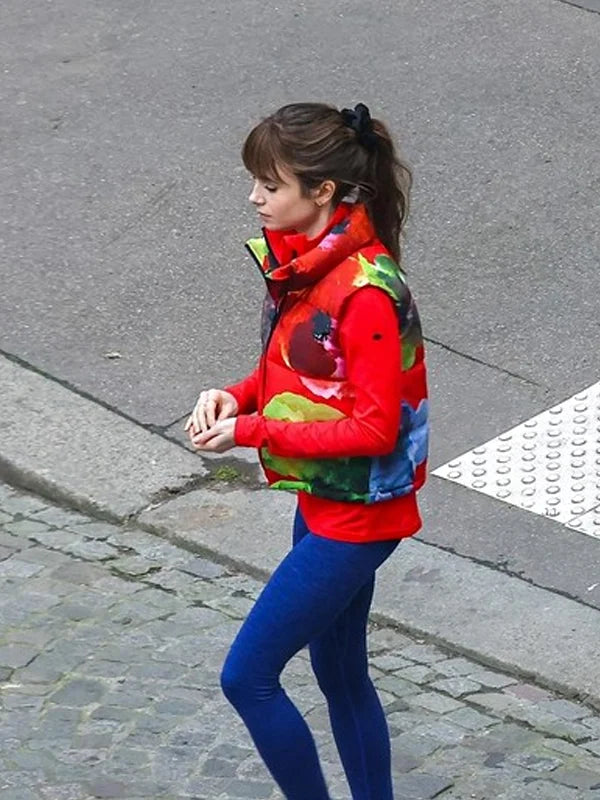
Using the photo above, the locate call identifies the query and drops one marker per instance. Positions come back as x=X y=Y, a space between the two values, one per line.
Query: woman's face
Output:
x=281 y=205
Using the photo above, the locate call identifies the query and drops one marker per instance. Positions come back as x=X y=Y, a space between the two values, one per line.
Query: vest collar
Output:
x=348 y=230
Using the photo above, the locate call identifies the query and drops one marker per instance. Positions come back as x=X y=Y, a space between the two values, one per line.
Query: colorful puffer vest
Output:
x=303 y=374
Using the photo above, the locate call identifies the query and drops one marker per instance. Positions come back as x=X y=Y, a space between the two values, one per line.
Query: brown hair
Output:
x=315 y=143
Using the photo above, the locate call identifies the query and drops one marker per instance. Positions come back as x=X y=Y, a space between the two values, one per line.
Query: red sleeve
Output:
x=371 y=346
x=245 y=392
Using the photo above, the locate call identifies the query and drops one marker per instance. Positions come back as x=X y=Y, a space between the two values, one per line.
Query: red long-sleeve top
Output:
x=372 y=352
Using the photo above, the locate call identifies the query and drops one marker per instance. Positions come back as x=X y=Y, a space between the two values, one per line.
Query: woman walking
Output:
x=337 y=408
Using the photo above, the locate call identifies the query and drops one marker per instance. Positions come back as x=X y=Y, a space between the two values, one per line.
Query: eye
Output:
x=271 y=188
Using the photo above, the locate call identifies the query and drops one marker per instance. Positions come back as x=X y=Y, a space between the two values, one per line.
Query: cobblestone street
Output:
x=111 y=643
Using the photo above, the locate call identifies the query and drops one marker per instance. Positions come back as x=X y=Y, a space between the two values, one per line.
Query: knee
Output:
x=234 y=683
x=244 y=682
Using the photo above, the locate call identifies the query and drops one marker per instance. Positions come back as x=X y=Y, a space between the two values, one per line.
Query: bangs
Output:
x=262 y=152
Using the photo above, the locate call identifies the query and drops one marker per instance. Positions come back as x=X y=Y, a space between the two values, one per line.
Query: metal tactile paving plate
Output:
x=549 y=464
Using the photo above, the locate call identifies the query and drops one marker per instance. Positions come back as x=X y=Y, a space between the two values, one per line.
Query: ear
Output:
x=324 y=193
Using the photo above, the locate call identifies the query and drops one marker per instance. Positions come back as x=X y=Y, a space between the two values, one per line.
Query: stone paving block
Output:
x=390 y=662
x=70 y=791
x=534 y=762
x=79 y=692
x=74 y=611
x=171 y=579
x=42 y=670
x=495 y=702
x=113 y=585
x=456 y=687
x=133 y=565
x=593 y=723
x=455 y=667
x=396 y=686
x=565 y=709
x=549 y=724
x=149 y=547
x=26 y=528
x=4 y=517
x=93 y=550
x=5 y=552
x=202 y=568
x=21 y=793
x=235 y=607
x=16 y=655
x=526 y=691
x=421 y=786
x=249 y=790
x=417 y=673
x=79 y=572
x=424 y=654
x=219 y=768
x=560 y=746
x=56 y=540
x=12 y=542
x=581 y=779
x=45 y=583
x=418 y=747
x=15 y=568
x=489 y=679
x=385 y=639
x=22 y=504
x=470 y=719
x=59 y=517
x=107 y=788
x=99 y=531
x=39 y=555
x=435 y=702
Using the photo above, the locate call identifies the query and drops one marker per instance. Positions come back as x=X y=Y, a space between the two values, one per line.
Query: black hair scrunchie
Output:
x=359 y=119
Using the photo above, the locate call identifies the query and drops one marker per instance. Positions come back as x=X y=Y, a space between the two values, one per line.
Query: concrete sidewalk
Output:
x=69 y=449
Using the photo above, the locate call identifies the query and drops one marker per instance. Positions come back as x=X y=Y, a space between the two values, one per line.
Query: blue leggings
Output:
x=319 y=595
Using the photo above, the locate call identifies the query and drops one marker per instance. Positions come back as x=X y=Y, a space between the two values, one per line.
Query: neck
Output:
x=317 y=225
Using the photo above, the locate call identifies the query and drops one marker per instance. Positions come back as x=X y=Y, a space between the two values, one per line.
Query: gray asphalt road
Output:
x=124 y=206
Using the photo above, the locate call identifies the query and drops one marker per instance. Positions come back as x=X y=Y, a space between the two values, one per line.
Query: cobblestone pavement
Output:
x=111 y=643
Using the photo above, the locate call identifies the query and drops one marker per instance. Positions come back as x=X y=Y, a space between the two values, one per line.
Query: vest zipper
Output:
x=278 y=309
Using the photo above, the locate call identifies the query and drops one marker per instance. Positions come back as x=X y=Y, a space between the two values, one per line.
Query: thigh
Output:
x=311 y=587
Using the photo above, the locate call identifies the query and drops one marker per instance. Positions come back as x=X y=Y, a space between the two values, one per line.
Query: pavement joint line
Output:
x=593 y=6
x=450 y=349
x=21 y=362
x=378 y=618
x=497 y=567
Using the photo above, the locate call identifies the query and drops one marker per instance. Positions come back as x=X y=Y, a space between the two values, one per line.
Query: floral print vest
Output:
x=303 y=374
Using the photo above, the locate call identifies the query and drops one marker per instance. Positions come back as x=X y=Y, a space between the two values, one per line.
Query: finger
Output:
x=204 y=437
x=201 y=412
x=214 y=445
x=203 y=424
x=197 y=409
x=211 y=409
x=225 y=411
x=188 y=423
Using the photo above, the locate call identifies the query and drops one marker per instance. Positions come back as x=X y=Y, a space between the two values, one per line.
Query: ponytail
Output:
x=392 y=179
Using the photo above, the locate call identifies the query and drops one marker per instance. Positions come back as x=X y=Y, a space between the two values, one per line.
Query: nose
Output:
x=255 y=197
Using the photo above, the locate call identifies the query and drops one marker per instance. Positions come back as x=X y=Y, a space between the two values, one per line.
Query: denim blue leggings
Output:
x=319 y=595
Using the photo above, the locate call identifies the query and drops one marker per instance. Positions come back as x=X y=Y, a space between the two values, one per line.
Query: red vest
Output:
x=303 y=373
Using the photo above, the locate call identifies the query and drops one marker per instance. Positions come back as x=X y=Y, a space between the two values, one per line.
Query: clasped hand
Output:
x=211 y=424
